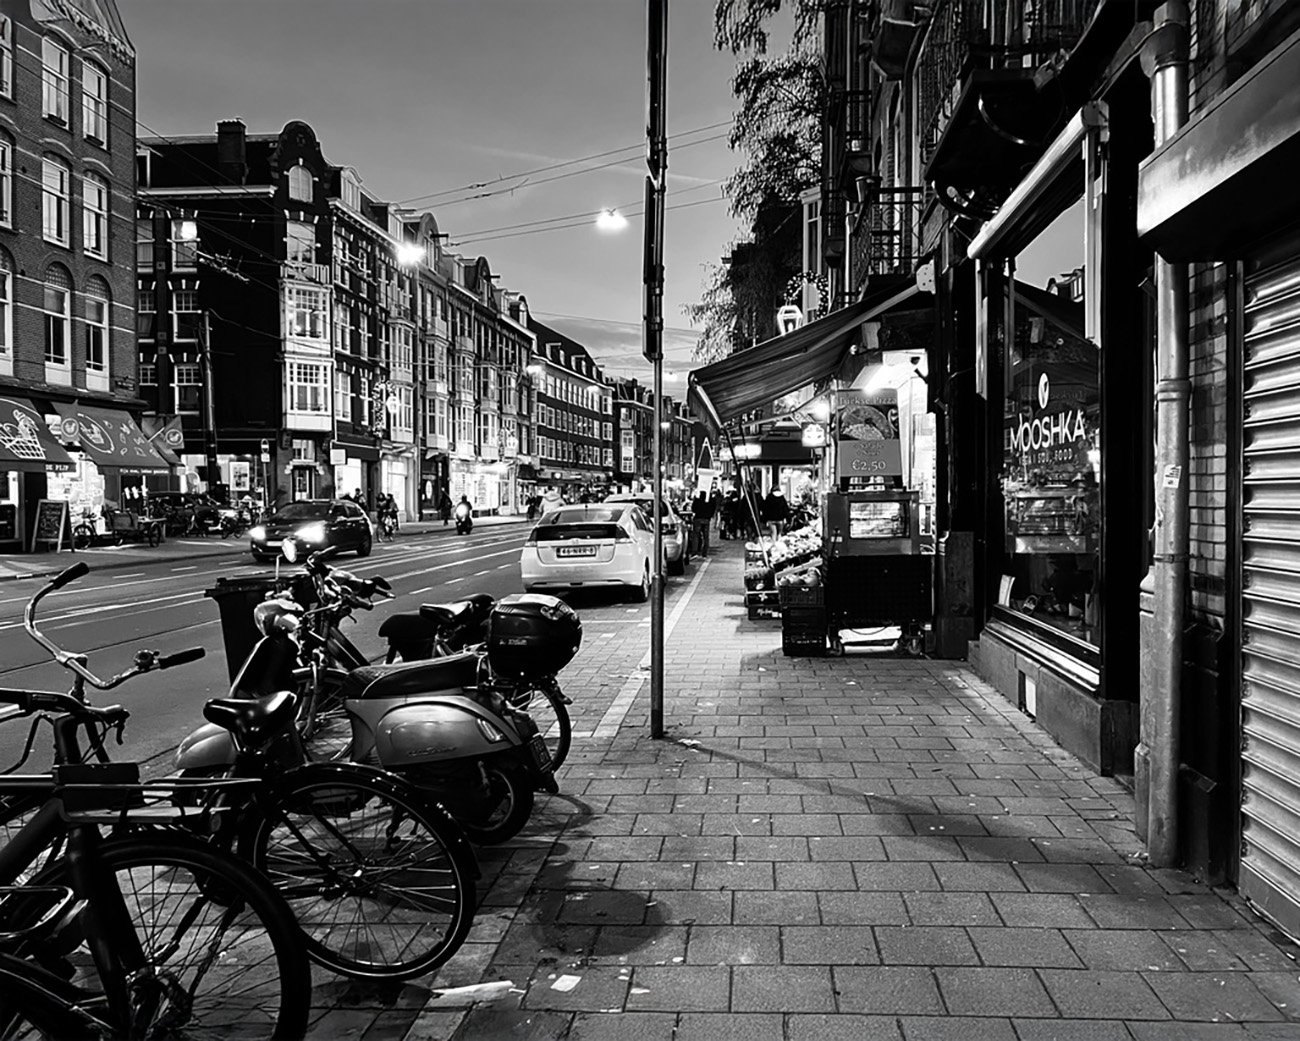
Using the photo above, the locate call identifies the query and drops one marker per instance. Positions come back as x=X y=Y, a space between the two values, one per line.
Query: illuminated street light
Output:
x=610 y=220
x=409 y=253
x=188 y=231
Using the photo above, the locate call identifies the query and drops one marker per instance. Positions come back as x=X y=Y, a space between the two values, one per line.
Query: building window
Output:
x=58 y=319
x=308 y=389
x=402 y=351
x=54 y=81
x=144 y=245
x=343 y=396
x=97 y=312
x=6 y=181
x=300 y=242
x=308 y=317
x=6 y=306
x=94 y=216
x=300 y=183
x=6 y=57
x=148 y=374
x=94 y=103
x=185 y=252
x=188 y=381
x=55 y=177
x=403 y=416
x=186 y=316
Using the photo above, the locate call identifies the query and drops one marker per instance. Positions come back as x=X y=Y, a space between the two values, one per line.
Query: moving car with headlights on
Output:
x=677 y=552
x=316 y=524
x=579 y=547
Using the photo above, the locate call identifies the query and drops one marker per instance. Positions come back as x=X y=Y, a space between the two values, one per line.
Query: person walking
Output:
x=444 y=506
x=702 y=514
x=775 y=512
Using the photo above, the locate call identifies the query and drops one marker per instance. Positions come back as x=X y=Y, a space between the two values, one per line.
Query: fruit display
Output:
x=795 y=546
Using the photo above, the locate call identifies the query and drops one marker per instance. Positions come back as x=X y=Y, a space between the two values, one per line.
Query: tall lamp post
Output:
x=653 y=326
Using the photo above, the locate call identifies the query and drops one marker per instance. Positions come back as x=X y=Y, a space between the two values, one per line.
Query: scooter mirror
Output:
x=382 y=583
x=289 y=550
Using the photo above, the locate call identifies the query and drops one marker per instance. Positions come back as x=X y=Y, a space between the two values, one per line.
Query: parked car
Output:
x=578 y=547
x=177 y=508
x=677 y=553
x=317 y=524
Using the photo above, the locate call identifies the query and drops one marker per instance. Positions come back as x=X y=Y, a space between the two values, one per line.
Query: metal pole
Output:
x=653 y=330
x=1165 y=61
x=209 y=406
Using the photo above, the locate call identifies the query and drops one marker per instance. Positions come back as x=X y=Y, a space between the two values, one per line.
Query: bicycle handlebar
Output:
x=30 y=701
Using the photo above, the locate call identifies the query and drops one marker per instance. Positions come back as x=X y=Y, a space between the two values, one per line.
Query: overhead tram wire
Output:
x=559 y=166
x=582 y=223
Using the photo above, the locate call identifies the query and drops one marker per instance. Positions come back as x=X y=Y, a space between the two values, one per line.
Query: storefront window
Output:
x=1051 y=460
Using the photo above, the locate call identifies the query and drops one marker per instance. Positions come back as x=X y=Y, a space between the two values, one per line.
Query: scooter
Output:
x=442 y=724
x=464 y=519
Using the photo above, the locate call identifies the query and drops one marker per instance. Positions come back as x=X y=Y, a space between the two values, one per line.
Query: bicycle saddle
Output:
x=408 y=626
x=253 y=720
x=447 y=614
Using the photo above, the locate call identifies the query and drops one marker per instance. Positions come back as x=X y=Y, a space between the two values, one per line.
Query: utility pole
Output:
x=653 y=326
x=209 y=405
x=162 y=312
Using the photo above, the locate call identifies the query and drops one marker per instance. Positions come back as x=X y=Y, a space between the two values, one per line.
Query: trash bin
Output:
x=236 y=598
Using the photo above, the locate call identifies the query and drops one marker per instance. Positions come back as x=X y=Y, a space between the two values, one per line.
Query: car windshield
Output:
x=303 y=511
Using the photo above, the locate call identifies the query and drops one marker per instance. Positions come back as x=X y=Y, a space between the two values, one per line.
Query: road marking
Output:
x=452 y=580
x=502 y=567
x=485 y=571
x=417 y=592
x=622 y=704
x=86 y=612
x=133 y=574
x=192 y=567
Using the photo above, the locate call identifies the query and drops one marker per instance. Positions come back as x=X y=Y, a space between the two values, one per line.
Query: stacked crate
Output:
x=803 y=621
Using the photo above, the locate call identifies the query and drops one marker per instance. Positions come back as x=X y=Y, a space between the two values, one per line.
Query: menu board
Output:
x=51 y=519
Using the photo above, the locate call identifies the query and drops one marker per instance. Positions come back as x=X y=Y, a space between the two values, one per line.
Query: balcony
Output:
x=988 y=91
x=318 y=274
x=885 y=233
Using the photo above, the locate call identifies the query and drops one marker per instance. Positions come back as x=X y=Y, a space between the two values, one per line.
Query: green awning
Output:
x=26 y=442
x=111 y=438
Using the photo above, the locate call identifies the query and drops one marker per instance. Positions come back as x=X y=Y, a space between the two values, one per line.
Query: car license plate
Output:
x=541 y=754
x=576 y=551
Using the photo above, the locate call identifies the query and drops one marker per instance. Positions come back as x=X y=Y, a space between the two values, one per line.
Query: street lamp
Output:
x=610 y=220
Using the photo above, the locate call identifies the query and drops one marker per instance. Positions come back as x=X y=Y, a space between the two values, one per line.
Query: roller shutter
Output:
x=1270 y=848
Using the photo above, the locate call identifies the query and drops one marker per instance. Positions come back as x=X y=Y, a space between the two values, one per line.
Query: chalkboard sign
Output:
x=51 y=519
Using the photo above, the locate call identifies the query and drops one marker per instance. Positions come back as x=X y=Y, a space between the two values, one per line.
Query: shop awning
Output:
x=1228 y=177
x=111 y=438
x=26 y=442
x=755 y=377
x=167 y=438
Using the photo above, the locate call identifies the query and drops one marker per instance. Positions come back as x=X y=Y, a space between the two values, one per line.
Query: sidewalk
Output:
x=862 y=848
x=102 y=558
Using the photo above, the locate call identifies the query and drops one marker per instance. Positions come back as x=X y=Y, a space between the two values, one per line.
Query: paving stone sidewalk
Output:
x=861 y=848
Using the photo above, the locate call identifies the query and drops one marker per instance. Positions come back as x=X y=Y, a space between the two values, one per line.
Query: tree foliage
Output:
x=777 y=138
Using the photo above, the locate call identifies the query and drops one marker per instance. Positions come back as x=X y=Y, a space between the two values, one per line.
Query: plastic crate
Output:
x=803 y=646
x=802 y=596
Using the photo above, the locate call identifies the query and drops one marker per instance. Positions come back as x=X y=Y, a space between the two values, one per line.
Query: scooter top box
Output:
x=531 y=635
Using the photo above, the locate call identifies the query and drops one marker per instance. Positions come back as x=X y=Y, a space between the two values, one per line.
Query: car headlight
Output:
x=257 y=534
x=312 y=532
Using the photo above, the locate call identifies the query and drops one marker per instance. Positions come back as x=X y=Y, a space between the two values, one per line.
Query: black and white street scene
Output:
x=650 y=520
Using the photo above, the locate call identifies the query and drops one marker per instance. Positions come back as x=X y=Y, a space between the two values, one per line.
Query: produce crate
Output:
x=763 y=604
x=802 y=596
x=803 y=645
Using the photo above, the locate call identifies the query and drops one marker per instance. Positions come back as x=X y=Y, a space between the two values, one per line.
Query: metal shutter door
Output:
x=1270 y=707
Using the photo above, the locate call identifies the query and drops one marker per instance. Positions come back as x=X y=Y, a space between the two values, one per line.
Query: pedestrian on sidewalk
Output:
x=444 y=507
x=702 y=514
x=776 y=511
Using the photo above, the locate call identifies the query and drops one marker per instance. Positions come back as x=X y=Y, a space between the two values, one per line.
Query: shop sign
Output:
x=1050 y=436
x=240 y=475
x=814 y=435
x=338 y=457
x=867 y=442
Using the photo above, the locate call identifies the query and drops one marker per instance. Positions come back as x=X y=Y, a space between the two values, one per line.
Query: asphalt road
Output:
x=109 y=614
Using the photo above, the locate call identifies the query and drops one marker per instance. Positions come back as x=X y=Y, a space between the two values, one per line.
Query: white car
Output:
x=580 y=547
x=676 y=537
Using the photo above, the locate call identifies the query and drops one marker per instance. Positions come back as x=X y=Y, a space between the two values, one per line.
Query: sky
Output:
x=427 y=97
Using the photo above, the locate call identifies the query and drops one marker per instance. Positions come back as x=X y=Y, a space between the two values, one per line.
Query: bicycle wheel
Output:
x=323 y=722
x=223 y=955
x=83 y=536
x=36 y=1004
x=381 y=881
x=548 y=711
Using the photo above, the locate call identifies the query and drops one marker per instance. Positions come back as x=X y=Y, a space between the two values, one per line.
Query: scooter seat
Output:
x=447 y=614
x=252 y=720
x=437 y=675
x=408 y=626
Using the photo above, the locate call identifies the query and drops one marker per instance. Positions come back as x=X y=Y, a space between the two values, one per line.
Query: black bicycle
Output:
x=171 y=936
x=381 y=880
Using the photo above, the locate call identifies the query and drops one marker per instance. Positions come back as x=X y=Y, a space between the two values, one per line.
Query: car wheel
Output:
x=363 y=550
x=641 y=593
x=676 y=567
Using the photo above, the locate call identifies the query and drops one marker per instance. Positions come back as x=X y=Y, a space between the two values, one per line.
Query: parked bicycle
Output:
x=380 y=880
x=172 y=936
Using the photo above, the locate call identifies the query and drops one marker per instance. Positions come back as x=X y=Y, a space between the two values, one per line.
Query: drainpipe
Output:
x=1164 y=60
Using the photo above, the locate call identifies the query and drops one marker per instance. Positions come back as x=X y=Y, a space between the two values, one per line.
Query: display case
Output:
x=873 y=523
x=1050 y=520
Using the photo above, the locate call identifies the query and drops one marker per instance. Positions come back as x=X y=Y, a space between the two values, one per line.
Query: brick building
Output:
x=575 y=415
x=67 y=293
